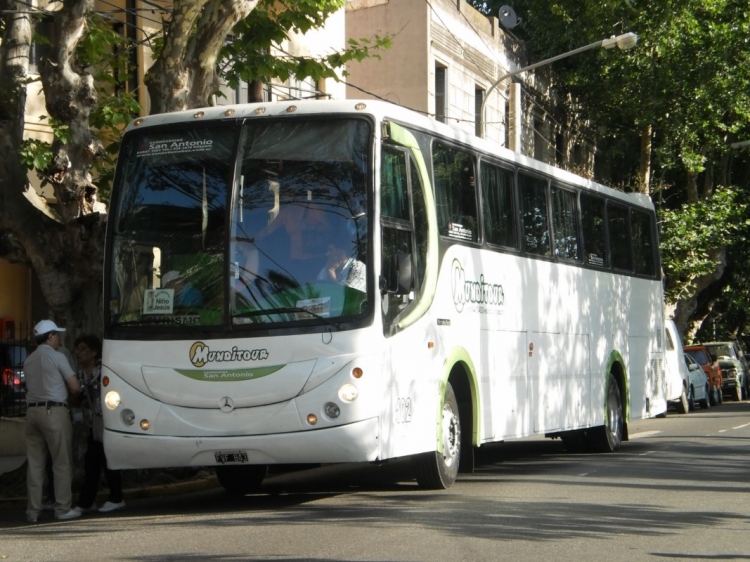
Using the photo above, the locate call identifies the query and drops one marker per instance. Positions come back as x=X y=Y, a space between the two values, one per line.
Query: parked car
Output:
x=700 y=392
x=12 y=381
x=711 y=366
x=735 y=377
x=677 y=378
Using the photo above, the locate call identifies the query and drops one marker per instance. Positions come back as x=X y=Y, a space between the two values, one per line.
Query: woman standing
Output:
x=88 y=350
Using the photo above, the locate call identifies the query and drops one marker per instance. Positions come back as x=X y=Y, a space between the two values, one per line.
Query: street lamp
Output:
x=623 y=42
x=742 y=144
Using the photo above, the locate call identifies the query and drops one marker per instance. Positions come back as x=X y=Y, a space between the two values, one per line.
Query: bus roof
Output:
x=380 y=110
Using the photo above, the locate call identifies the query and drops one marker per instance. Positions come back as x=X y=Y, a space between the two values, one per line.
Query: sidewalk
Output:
x=12 y=444
x=13 y=456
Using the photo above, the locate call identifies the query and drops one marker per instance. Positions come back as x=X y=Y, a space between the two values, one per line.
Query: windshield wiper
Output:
x=288 y=310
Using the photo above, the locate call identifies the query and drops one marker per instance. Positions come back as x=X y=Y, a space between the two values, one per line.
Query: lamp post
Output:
x=742 y=144
x=623 y=42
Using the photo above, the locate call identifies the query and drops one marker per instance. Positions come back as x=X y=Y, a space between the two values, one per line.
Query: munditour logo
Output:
x=200 y=354
x=474 y=291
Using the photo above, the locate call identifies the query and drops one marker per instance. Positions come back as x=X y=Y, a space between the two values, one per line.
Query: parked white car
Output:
x=677 y=375
x=699 y=392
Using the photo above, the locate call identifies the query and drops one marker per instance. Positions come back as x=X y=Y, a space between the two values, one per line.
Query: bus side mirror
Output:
x=402 y=267
x=399 y=279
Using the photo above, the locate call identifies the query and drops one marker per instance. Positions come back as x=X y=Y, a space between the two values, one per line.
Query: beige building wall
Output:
x=474 y=52
x=402 y=74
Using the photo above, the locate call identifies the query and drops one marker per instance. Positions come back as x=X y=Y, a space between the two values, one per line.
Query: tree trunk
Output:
x=65 y=254
x=684 y=309
x=691 y=187
x=184 y=76
x=644 y=177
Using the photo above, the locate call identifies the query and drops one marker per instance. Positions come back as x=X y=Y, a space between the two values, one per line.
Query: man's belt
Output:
x=48 y=404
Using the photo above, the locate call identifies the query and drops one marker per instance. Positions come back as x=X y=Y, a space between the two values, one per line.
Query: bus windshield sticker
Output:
x=158 y=301
x=173 y=146
x=456 y=230
x=319 y=307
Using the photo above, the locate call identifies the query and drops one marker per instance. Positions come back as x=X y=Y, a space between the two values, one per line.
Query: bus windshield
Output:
x=258 y=224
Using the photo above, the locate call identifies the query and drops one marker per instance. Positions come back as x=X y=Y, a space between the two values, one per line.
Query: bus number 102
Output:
x=403 y=410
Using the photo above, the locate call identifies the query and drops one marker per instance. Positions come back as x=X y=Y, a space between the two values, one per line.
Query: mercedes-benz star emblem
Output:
x=226 y=404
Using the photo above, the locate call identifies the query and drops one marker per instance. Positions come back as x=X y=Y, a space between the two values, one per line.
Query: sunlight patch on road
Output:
x=741 y=426
x=643 y=434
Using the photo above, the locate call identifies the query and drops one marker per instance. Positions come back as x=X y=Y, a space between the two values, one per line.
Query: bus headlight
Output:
x=348 y=392
x=112 y=400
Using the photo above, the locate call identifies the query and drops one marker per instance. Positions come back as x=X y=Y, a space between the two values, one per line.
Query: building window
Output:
x=539 y=139
x=478 y=117
x=41 y=48
x=440 y=88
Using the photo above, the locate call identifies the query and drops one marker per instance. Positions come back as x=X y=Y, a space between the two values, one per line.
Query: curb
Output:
x=164 y=490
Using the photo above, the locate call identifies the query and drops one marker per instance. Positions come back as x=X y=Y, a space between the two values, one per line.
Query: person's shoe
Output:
x=111 y=506
x=72 y=514
x=31 y=518
x=86 y=509
x=48 y=505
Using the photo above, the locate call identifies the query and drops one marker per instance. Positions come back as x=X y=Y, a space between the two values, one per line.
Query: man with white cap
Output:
x=49 y=376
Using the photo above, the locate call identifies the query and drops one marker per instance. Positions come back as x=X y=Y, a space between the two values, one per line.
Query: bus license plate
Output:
x=230 y=457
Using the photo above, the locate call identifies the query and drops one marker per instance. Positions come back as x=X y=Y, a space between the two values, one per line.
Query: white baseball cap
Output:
x=46 y=326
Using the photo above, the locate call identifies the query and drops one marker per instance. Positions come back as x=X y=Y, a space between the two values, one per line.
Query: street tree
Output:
x=664 y=116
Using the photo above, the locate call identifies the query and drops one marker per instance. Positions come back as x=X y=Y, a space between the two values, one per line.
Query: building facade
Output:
x=446 y=56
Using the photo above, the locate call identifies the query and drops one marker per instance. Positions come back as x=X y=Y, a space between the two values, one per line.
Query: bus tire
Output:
x=438 y=470
x=241 y=480
x=575 y=441
x=608 y=437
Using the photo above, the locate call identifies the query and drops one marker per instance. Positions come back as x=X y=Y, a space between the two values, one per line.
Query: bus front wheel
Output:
x=241 y=480
x=608 y=437
x=437 y=470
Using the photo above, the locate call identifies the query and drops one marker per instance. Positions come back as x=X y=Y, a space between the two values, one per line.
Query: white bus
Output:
x=350 y=281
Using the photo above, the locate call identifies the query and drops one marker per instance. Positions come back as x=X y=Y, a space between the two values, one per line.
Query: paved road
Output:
x=679 y=490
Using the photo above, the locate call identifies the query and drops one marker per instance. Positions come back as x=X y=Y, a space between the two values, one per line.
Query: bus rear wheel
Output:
x=438 y=470
x=608 y=437
x=241 y=480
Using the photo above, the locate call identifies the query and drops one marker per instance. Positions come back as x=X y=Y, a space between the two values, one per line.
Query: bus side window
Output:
x=643 y=243
x=592 y=223
x=619 y=238
x=565 y=224
x=455 y=193
x=404 y=230
x=534 y=217
x=497 y=198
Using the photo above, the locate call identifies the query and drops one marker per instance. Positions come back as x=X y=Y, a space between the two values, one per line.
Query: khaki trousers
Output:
x=49 y=429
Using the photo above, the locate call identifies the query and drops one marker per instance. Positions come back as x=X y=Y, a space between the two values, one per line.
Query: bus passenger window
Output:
x=497 y=198
x=619 y=238
x=455 y=193
x=643 y=243
x=592 y=224
x=534 y=215
x=565 y=224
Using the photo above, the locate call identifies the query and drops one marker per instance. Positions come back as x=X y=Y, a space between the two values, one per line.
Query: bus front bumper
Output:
x=355 y=442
